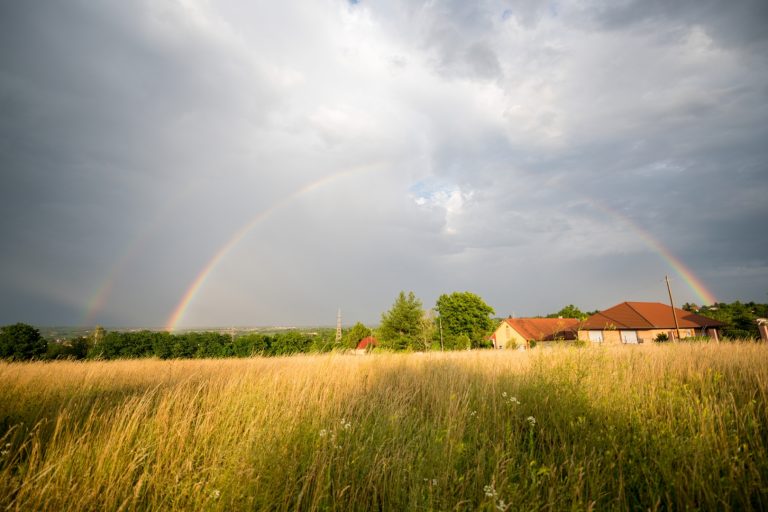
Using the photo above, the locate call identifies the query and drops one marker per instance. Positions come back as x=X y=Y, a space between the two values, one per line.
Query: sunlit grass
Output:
x=673 y=427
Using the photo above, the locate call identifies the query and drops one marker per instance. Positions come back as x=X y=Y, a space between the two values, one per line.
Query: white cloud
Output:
x=451 y=201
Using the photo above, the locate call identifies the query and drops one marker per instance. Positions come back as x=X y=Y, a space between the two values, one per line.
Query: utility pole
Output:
x=672 y=303
x=440 y=323
x=338 y=327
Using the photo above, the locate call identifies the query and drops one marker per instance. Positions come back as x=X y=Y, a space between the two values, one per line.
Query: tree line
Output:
x=460 y=320
x=740 y=318
x=24 y=342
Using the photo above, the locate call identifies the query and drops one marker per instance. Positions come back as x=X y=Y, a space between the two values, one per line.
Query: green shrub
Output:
x=737 y=334
x=697 y=339
x=20 y=342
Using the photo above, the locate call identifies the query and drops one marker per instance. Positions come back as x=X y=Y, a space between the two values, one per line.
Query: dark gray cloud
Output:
x=510 y=148
x=735 y=23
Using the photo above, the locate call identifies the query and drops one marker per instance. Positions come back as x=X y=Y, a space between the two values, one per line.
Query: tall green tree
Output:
x=401 y=326
x=21 y=341
x=464 y=313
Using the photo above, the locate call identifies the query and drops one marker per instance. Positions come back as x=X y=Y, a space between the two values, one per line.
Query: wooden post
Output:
x=672 y=303
x=440 y=322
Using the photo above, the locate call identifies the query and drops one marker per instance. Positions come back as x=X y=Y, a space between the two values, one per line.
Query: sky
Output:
x=236 y=163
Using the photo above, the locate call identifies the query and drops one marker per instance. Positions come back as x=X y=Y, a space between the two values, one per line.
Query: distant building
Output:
x=366 y=344
x=520 y=331
x=642 y=322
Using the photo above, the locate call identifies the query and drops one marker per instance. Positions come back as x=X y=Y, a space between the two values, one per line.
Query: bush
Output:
x=697 y=339
x=737 y=334
x=661 y=337
x=76 y=348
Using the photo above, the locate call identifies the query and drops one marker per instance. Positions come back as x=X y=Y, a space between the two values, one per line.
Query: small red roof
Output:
x=646 y=315
x=368 y=341
x=542 y=329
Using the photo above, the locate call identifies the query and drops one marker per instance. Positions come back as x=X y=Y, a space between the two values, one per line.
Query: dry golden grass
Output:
x=677 y=426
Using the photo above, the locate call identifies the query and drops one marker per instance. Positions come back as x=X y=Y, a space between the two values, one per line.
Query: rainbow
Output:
x=99 y=298
x=696 y=285
x=237 y=237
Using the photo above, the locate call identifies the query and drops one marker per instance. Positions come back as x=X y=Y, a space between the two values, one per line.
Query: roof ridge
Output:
x=639 y=313
x=611 y=318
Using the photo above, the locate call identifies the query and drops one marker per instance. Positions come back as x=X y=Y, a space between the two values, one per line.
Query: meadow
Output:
x=669 y=427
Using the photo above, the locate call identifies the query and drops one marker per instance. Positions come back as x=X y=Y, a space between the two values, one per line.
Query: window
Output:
x=629 y=336
x=596 y=336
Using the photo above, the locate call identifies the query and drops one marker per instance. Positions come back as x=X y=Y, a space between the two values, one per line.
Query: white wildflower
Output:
x=489 y=491
x=514 y=400
x=323 y=433
x=434 y=482
x=504 y=394
x=501 y=506
x=531 y=421
x=215 y=494
x=473 y=414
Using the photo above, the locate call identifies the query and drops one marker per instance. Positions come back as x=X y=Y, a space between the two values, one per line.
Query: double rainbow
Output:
x=695 y=283
x=237 y=237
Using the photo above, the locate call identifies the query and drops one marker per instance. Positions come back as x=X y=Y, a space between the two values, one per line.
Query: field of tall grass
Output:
x=657 y=427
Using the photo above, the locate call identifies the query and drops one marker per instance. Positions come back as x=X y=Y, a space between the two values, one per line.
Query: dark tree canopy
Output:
x=739 y=317
x=464 y=313
x=569 y=311
x=21 y=342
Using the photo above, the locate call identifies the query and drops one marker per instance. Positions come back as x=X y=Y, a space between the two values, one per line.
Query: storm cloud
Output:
x=521 y=150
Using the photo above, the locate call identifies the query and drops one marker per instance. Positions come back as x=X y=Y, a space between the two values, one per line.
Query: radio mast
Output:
x=338 y=326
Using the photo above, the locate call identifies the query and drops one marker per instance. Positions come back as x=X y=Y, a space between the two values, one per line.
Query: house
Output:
x=516 y=332
x=366 y=344
x=642 y=322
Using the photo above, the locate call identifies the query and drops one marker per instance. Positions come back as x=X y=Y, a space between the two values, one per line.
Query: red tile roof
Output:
x=646 y=315
x=366 y=342
x=545 y=328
